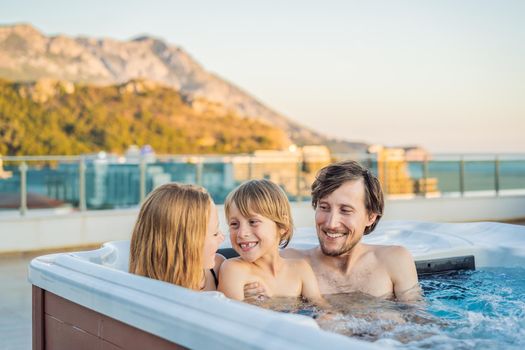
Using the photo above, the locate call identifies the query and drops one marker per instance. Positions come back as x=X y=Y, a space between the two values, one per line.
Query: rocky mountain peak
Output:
x=26 y=54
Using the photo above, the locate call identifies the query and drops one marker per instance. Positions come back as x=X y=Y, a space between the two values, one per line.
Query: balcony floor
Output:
x=15 y=303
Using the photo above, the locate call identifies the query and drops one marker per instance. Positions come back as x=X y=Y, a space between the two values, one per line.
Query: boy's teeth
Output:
x=248 y=245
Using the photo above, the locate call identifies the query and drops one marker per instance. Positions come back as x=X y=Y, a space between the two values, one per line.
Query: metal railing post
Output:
x=425 y=176
x=385 y=176
x=142 y=180
x=496 y=175
x=462 y=176
x=298 y=169
x=82 y=184
x=23 y=188
x=198 y=171
x=250 y=167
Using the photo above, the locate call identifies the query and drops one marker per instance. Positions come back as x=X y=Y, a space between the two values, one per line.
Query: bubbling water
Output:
x=482 y=309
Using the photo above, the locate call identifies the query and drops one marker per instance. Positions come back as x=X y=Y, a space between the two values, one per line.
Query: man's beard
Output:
x=343 y=250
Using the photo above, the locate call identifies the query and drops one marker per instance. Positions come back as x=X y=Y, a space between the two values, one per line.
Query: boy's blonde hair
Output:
x=265 y=198
x=168 y=238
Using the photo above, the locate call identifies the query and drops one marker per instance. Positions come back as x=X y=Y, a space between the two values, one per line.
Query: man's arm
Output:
x=403 y=274
x=232 y=279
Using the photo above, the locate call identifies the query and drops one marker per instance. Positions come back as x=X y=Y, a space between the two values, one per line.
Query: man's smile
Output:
x=334 y=234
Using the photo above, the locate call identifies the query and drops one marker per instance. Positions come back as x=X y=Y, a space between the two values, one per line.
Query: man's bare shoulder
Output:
x=389 y=252
x=297 y=263
x=392 y=253
x=402 y=270
x=391 y=256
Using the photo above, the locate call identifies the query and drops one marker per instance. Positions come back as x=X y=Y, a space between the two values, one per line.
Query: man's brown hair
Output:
x=331 y=177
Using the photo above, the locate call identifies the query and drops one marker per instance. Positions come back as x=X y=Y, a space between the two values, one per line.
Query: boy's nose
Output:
x=242 y=231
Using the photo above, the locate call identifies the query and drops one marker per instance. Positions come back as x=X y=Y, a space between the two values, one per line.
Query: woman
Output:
x=176 y=238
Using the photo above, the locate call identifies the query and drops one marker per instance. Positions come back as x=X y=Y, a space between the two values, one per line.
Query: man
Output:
x=348 y=203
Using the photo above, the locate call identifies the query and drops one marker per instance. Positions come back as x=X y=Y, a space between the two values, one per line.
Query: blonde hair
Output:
x=265 y=198
x=168 y=237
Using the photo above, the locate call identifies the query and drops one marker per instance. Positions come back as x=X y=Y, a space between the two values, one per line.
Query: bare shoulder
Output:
x=233 y=276
x=392 y=254
x=299 y=263
x=219 y=259
x=234 y=265
x=300 y=267
x=402 y=270
x=292 y=253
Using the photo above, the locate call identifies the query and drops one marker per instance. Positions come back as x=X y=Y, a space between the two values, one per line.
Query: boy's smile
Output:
x=252 y=237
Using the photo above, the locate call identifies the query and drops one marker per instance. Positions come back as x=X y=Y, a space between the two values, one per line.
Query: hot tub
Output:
x=87 y=300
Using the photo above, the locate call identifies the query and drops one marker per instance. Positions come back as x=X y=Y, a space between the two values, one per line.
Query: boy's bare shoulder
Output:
x=234 y=263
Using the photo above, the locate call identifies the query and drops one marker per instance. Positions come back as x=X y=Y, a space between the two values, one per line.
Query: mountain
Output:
x=27 y=55
x=59 y=117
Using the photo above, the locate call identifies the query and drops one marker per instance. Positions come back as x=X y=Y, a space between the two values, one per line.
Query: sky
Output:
x=447 y=75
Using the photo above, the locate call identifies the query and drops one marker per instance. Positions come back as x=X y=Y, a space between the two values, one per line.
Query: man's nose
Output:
x=332 y=221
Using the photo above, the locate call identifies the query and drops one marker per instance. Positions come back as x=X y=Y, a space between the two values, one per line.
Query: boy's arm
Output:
x=232 y=279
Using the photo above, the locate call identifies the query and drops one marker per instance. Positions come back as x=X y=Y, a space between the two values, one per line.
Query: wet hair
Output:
x=265 y=198
x=331 y=177
x=168 y=237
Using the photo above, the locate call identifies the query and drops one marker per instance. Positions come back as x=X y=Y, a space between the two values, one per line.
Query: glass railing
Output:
x=102 y=182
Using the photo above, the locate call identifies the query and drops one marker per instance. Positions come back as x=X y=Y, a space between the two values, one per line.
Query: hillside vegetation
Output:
x=54 y=117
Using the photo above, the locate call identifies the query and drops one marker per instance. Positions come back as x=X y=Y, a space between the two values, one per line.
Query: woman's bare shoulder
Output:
x=219 y=259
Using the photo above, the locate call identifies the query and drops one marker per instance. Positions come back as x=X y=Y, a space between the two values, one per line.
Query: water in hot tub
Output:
x=483 y=309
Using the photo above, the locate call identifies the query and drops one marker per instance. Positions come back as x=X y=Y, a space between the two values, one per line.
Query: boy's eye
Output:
x=253 y=222
x=233 y=224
